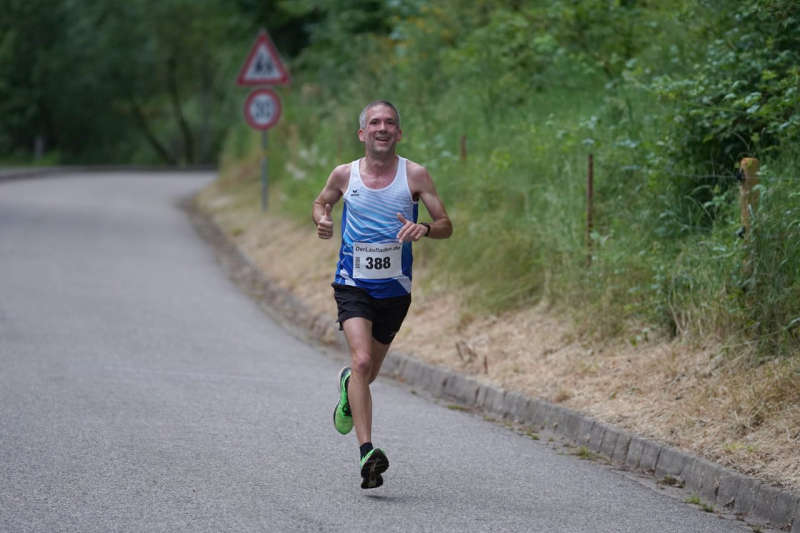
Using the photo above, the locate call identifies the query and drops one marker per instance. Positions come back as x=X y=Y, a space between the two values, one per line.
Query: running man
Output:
x=372 y=285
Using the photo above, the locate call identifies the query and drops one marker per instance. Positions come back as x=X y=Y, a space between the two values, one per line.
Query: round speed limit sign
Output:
x=262 y=109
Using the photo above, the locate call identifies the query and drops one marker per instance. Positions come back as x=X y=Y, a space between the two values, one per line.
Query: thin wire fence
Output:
x=732 y=176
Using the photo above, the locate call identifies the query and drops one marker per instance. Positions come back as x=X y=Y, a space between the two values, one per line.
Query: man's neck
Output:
x=380 y=165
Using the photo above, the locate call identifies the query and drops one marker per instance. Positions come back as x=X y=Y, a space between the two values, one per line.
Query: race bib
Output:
x=377 y=261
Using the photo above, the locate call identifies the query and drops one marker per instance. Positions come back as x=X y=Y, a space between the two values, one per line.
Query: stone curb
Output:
x=712 y=483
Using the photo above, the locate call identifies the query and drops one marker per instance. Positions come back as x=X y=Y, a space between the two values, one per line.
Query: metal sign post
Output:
x=264 y=172
x=262 y=108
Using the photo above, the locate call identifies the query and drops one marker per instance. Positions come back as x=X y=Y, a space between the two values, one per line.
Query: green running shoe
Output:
x=373 y=465
x=342 y=418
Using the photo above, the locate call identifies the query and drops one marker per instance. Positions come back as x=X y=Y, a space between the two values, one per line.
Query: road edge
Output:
x=20 y=173
x=714 y=484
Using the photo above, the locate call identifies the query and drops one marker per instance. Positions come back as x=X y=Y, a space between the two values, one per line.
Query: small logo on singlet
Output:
x=354 y=193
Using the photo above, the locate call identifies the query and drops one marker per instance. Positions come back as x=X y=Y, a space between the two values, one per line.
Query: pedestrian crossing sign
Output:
x=263 y=66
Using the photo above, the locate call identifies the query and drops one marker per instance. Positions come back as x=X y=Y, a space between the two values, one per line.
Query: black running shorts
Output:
x=386 y=314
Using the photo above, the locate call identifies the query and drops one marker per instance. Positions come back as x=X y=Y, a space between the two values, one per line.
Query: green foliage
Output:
x=503 y=101
x=26 y=73
x=770 y=271
x=742 y=98
x=125 y=82
x=603 y=35
x=343 y=33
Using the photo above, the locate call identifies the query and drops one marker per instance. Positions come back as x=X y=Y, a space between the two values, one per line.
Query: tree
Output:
x=134 y=81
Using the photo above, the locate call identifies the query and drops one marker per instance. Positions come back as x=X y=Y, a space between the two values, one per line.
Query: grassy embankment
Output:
x=667 y=269
x=519 y=203
x=674 y=309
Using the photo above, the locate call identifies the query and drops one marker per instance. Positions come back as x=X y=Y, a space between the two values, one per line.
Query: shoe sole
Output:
x=336 y=408
x=376 y=482
x=371 y=472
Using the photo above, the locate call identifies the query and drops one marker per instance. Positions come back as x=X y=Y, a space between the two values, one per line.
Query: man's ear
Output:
x=361 y=135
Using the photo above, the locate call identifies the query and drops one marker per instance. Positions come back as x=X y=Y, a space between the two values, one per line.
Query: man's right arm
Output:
x=330 y=194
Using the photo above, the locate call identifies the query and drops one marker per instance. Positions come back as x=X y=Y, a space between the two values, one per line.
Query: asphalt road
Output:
x=141 y=391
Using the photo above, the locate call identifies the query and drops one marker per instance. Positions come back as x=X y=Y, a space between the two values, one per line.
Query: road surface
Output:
x=141 y=391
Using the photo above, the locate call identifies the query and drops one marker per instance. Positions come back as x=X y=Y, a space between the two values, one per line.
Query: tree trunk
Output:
x=141 y=121
x=172 y=82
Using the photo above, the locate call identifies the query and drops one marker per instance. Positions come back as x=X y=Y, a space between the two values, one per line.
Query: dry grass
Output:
x=703 y=398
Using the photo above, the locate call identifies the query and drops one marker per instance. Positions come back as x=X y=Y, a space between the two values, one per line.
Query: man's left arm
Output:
x=422 y=187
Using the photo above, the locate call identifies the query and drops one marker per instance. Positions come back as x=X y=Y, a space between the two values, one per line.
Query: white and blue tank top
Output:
x=370 y=256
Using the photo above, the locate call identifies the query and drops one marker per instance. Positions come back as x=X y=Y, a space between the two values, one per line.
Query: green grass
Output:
x=518 y=208
x=671 y=481
x=582 y=452
x=694 y=499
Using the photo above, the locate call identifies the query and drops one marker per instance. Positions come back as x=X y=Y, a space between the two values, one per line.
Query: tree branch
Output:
x=141 y=121
x=172 y=84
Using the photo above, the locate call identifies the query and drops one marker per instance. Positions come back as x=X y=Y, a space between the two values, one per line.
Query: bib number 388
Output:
x=377 y=261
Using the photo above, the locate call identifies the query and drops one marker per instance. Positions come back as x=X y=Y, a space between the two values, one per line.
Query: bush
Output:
x=741 y=98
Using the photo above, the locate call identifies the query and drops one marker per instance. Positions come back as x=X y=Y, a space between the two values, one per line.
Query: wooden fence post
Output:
x=748 y=197
x=589 y=201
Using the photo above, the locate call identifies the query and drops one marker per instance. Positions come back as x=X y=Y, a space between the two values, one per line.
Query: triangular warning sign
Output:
x=263 y=66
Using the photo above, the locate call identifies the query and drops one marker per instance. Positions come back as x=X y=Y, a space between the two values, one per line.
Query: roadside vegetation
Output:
x=504 y=101
x=134 y=82
x=688 y=333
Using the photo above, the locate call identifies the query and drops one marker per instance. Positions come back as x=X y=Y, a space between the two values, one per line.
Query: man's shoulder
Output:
x=415 y=171
x=341 y=172
x=344 y=168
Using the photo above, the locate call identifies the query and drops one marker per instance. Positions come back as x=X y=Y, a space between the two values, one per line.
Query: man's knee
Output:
x=362 y=363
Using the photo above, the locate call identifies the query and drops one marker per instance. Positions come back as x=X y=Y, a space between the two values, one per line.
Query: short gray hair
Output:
x=362 y=118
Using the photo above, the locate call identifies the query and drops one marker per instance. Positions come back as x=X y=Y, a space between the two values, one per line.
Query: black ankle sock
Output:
x=365 y=449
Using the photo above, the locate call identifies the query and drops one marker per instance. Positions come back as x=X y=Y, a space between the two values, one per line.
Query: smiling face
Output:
x=381 y=130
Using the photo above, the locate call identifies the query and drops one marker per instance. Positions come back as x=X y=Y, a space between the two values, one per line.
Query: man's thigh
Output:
x=358 y=332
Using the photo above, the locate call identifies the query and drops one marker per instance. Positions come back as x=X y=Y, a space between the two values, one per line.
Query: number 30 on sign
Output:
x=262 y=109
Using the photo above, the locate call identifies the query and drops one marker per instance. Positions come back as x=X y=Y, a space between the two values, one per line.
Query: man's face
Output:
x=381 y=132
